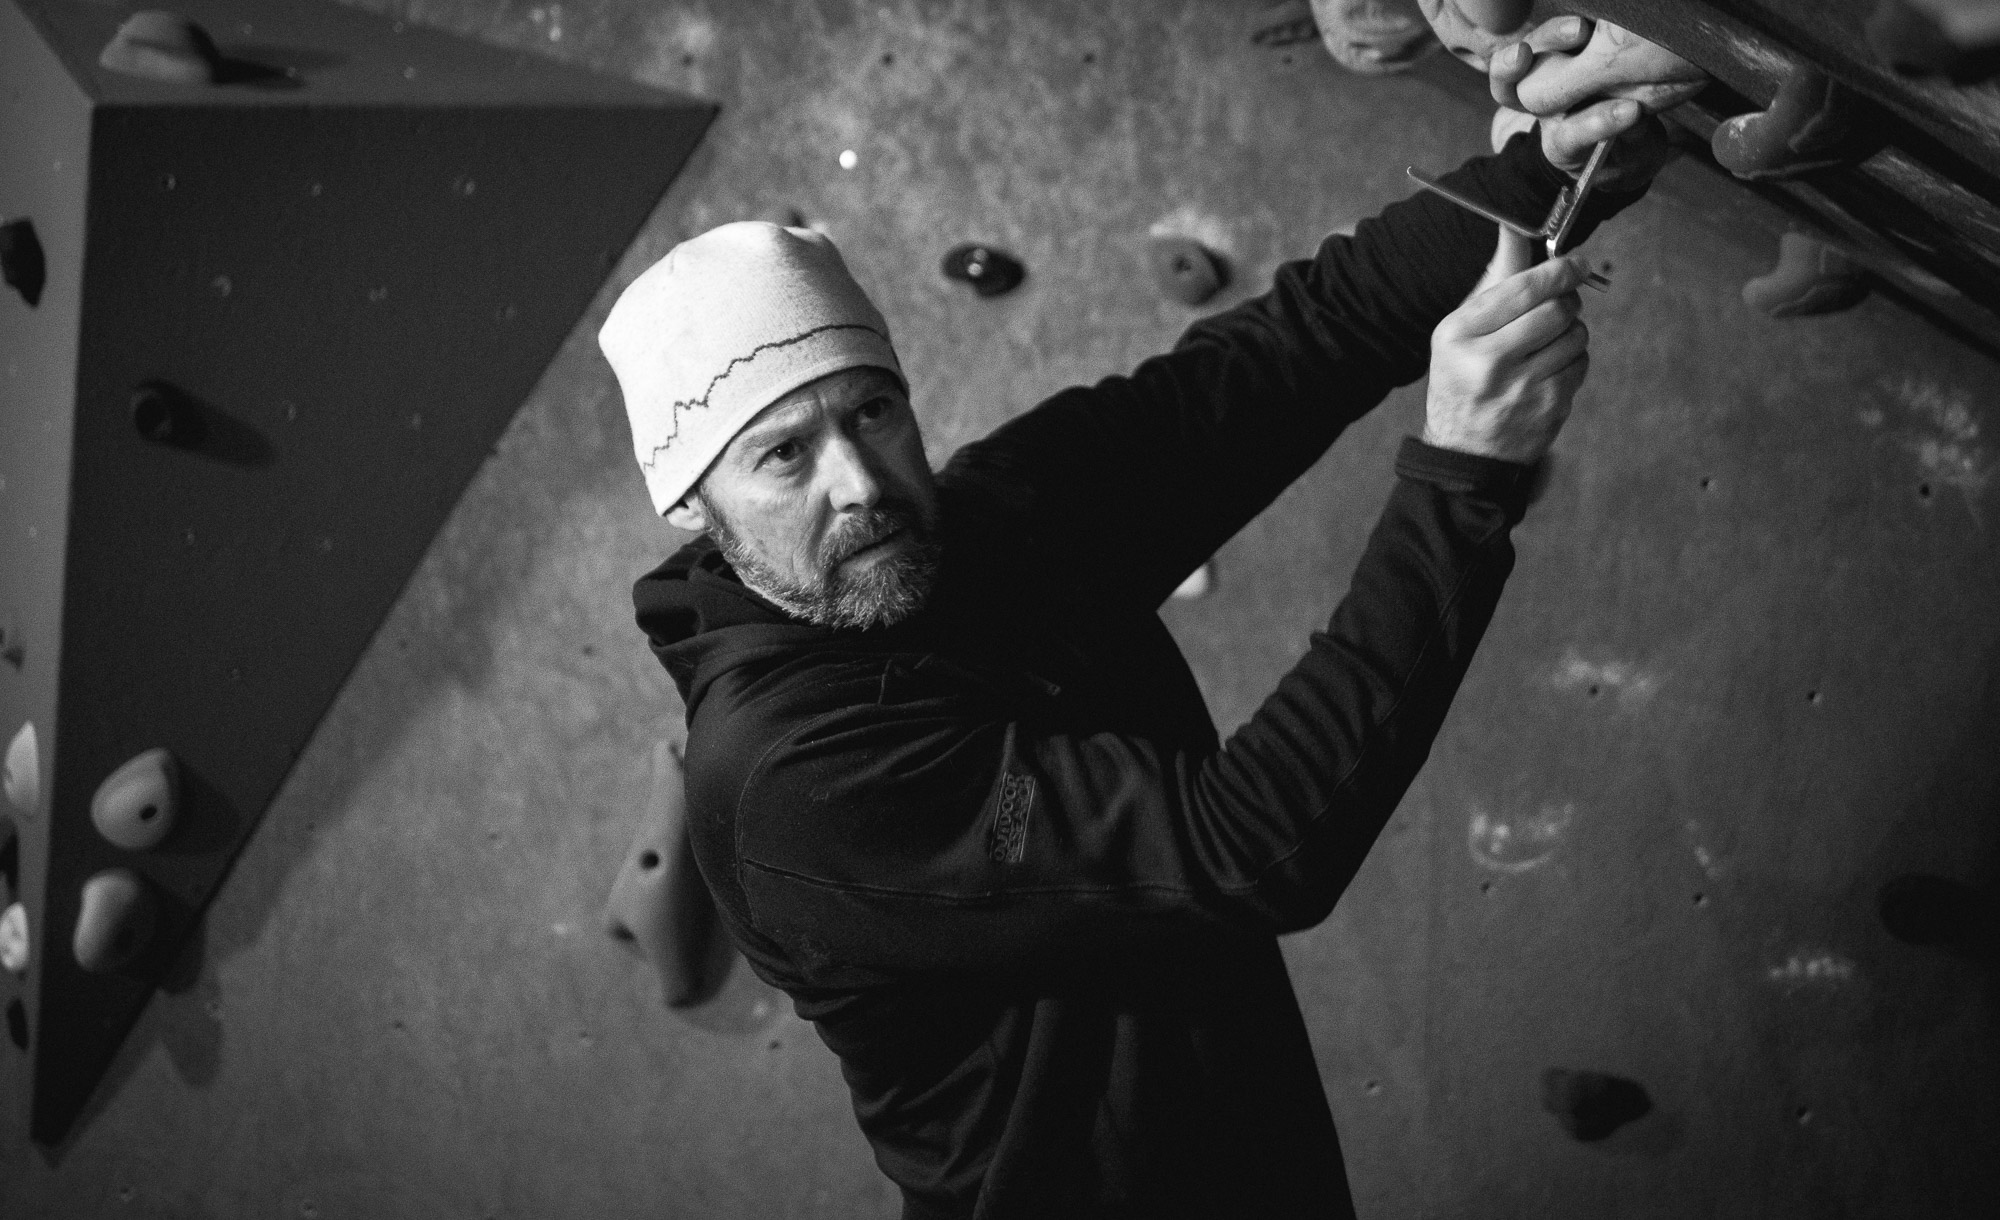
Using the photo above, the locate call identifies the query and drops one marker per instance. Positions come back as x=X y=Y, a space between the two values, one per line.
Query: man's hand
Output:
x=1588 y=83
x=1506 y=363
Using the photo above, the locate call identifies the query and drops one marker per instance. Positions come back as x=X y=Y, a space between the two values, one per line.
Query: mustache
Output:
x=871 y=525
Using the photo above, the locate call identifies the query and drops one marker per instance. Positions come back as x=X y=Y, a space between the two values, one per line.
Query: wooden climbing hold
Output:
x=1373 y=37
x=162 y=46
x=1811 y=278
x=22 y=264
x=989 y=271
x=117 y=921
x=21 y=778
x=1809 y=126
x=1186 y=270
x=660 y=906
x=136 y=805
x=1592 y=1105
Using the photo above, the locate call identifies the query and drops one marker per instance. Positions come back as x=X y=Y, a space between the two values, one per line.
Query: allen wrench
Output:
x=1554 y=232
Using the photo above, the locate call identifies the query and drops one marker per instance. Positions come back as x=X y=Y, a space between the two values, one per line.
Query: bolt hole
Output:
x=1803 y=1114
x=1486 y=887
x=1701 y=900
x=1923 y=491
x=1707 y=483
x=1090 y=57
x=888 y=57
x=149 y=813
x=649 y=860
x=621 y=932
x=17 y=1024
x=1595 y=690
x=1372 y=1087
x=1812 y=696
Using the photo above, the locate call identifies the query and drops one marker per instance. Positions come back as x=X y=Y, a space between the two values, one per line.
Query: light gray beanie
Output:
x=722 y=327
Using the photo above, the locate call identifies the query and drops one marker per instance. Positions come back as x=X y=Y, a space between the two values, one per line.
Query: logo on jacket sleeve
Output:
x=1009 y=840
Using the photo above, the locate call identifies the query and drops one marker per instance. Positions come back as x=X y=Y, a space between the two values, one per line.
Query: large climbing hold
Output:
x=1186 y=270
x=117 y=920
x=136 y=805
x=1373 y=37
x=164 y=47
x=22 y=776
x=22 y=264
x=1811 y=278
x=1809 y=126
x=660 y=906
x=989 y=271
x=1592 y=1105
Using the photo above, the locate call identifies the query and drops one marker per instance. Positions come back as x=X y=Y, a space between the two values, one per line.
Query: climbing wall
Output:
x=1690 y=915
x=285 y=315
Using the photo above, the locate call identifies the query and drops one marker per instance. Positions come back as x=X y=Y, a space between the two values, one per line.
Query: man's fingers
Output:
x=1513 y=254
x=1559 y=34
x=1562 y=350
x=1537 y=328
x=1567 y=139
x=1512 y=63
x=1494 y=306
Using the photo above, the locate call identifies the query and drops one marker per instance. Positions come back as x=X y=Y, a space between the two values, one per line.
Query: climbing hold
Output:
x=15 y=946
x=1954 y=38
x=1199 y=583
x=164 y=47
x=1373 y=37
x=1805 y=128
x=989 y=271
x=1811 y=278
x=136 y=805
x=117 y=921
x=660 y=905
x=21 y=261
x=1591 y=1105
x=22 y=775
x=1496 y=16
x=1186 y=270
x=164 y=413
x=1923 y=909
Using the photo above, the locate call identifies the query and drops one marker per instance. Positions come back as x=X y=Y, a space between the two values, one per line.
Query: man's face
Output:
x=825 y=503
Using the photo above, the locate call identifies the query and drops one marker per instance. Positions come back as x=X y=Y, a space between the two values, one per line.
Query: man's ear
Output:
x=687 y=515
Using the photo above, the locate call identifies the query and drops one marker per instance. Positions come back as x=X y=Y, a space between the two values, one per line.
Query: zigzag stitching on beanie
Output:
x=690 y=404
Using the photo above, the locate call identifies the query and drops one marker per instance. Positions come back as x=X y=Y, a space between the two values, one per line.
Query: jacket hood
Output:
x=701 y=621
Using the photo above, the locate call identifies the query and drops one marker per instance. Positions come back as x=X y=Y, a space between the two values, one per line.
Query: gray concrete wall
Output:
x=1742 y=680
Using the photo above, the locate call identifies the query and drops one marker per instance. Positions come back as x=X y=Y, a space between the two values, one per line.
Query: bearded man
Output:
x=951 y=781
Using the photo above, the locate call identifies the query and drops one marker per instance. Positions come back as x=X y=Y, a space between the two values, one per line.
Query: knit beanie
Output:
x=722 y=327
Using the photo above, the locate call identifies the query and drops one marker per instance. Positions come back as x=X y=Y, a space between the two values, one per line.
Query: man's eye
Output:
x=784 y=451
x=873 y=409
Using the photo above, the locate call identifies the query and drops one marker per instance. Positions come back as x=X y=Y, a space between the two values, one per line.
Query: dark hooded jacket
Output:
x=997 y=854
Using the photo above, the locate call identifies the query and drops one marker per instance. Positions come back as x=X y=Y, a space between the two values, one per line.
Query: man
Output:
x=950 y=780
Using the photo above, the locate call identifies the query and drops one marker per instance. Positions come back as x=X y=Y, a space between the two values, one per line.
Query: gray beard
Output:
x=882 y=596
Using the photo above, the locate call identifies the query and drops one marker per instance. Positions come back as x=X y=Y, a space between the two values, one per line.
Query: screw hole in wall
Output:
x=1923 y=491
x=649 y=860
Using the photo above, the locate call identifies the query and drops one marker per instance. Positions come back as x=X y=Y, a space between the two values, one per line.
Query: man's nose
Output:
x=852 y=479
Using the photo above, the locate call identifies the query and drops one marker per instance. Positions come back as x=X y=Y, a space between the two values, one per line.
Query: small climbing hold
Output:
x=164 y=413
x=1809 y=122
x=162 y=46
x=1591 y=1105
x=22 y=774
x=989 y=271
x=15 y=946
x=1186 y=270
x=1373 y=37
x=1811 y=278
x=21 y=262
x=117 y=920
x=1199 y=583
x=660 y=906
x=1952 y=38
x=136 y=805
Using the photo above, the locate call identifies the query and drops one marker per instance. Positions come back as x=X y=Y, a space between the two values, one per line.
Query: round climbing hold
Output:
x=117 y=921
x=1186 y=270
x=1811 y=278
x=1809 y=121
x=15 y=946
x=989 y=271
x=136 y=805
x=1592 y=1105
x=22 y=777
x=162 y=46
x=165 y=414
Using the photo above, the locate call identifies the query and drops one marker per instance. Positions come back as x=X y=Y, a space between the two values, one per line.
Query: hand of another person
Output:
x=1582 y=97
x=1506 y=363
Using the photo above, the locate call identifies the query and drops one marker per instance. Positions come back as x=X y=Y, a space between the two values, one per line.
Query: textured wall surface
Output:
x=1743 y=679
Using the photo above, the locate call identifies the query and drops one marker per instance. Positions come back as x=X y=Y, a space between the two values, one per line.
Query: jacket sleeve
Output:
x=933 y=832
x=1168 y=463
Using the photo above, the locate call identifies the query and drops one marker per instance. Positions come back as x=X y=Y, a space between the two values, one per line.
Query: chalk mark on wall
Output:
x=1632 y=685
x=1515 y=845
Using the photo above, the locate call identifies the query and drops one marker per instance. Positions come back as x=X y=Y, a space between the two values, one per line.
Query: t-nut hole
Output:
x=649 y=860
